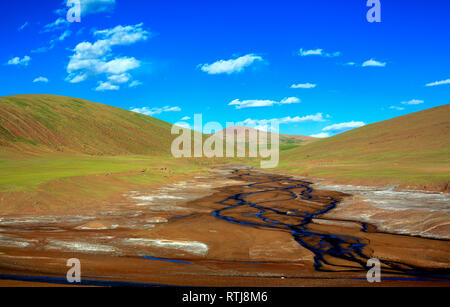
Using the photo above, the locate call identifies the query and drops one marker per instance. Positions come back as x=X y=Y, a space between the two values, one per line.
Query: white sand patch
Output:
x=193 y=247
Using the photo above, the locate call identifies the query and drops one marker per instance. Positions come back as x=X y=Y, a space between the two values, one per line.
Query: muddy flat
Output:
x=234 y=227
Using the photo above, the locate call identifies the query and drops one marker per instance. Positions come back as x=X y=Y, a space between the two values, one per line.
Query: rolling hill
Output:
x=50 y=144
x=42 y=124
x=46 y=137
x=413 y=150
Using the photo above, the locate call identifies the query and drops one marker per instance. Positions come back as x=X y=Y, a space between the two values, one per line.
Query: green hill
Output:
x=412 y=150
x=40 y=124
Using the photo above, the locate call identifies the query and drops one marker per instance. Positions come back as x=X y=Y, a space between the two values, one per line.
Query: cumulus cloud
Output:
x=317 y=52
x=106 y=86
x=230 y=66
x=321 y=135
x=40 y=79
x=305 y=85
x=436 y=83
x=262 y=103
x=155 y=111
x=413 y=102
x=373 y=63
x=20 y=61
x=343 y=126
x=118 y=79
x=186 y=118
x=91 y=59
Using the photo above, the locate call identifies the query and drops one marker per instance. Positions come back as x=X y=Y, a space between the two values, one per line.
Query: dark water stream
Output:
x=324 y=246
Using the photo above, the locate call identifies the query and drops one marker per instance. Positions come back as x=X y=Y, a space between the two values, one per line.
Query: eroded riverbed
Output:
x=233 y=227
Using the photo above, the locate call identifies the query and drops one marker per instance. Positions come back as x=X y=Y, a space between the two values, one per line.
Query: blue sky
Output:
x=319 y=66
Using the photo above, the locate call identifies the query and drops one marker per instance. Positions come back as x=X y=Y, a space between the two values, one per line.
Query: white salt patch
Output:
x=387 y=198
x=193 y=247
x=11 y=241
x=151 y=198
x=80 y=246
x=157 y=220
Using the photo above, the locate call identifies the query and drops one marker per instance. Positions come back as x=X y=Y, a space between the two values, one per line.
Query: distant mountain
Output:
x=284 y=138
x=39 y=124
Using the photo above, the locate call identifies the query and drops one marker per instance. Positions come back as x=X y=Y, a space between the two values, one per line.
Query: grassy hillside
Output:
x=413 y=150
x=39 y=124
x=61 y=154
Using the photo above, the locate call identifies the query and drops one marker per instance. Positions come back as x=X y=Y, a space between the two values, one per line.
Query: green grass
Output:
x=28 y=174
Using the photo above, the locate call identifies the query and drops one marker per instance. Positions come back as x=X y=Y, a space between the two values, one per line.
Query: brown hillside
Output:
x=37 y=124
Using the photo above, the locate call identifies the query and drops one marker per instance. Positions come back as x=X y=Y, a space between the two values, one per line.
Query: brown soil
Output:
x=111 y=243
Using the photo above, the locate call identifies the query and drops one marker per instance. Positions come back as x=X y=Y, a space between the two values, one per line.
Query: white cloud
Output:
x=305 y=85
x=262 y=103
x=396 y=108
x=58 y=24
x=284 y=120
x=118 y=66
x=318 y=52
x=64 y=35
x=321 y=135
x=135 y=83
x=155 y=111
x=344 y=126
x=20 y=61
x=118 y=79
x=53 y=42
x=106 y=86
x=40 y=79
x=91 y=59
x=230 y=66
x=23 y=26
x=413 y=102
x=123 y=35
x=78 y=78
x=373 y=63
x=186 y=118
x=436 y=83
